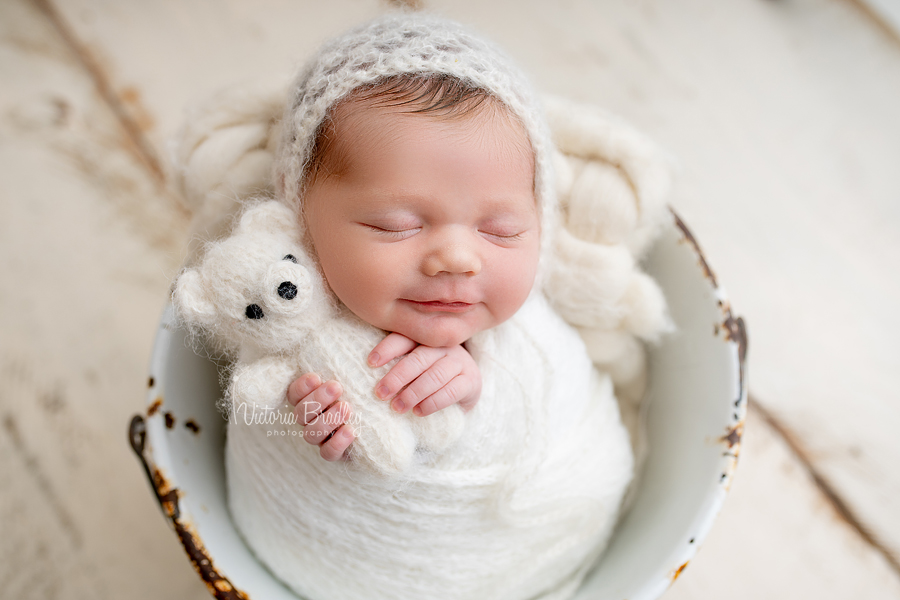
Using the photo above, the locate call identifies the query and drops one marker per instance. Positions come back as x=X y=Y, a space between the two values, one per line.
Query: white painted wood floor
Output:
x=783 y=115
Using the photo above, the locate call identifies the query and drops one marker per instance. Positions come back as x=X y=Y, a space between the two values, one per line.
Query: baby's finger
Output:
x=410 y=366
x=457 y=389
x=302 y=387
x=436 y=377
x=312 y=405
x=318 y=431
x=392 y=346
x=333 y=449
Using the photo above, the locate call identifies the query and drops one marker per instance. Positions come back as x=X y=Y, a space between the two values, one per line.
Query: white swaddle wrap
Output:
x=517 y=508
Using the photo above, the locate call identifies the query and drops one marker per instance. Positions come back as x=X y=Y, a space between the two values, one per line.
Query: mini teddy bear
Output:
x=261 y=298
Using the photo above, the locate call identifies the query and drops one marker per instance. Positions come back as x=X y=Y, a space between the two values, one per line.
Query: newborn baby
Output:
x=418 y=167
x=419 y=202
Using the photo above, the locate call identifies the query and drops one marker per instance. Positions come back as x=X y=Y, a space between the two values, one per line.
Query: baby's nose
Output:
x=452 y=254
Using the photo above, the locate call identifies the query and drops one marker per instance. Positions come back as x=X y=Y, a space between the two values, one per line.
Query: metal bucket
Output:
x=696 y=407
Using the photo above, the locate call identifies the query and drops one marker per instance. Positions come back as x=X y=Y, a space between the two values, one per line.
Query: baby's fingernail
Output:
x=332 y=389
x=373 y=359
x=398 y=405
x=347 y=432
x=418 y=410
x=382 y=392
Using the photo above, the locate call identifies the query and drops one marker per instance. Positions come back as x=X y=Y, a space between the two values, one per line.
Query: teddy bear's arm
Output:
x=262 y=383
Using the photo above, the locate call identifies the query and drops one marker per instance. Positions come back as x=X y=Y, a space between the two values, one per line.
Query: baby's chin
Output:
x=435 y=337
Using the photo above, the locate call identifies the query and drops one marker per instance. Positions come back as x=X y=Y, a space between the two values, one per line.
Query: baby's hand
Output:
x=427 y=379
x=325 y=419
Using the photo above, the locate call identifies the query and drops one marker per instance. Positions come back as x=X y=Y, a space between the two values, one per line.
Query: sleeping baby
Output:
x=415 y=170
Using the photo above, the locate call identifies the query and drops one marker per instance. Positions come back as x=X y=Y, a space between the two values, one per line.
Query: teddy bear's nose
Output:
x=254 y=312
x=287 y=290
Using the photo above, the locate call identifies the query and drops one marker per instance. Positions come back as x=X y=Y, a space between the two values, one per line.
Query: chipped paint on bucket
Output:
x=697 y=404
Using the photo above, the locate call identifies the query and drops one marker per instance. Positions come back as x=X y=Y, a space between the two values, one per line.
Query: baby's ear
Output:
x=191 y=301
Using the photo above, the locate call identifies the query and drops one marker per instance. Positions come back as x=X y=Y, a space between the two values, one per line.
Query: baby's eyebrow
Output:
x=388 y=201
x=391 y=201
x=386 y=211
x=506 y=222
x=503 y=216
x=510 y=205
x=389 y=197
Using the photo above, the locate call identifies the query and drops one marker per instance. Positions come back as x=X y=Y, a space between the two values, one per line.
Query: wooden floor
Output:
x=784 y=116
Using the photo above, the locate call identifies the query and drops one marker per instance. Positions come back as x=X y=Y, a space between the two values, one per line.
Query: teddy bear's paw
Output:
x=261 y=384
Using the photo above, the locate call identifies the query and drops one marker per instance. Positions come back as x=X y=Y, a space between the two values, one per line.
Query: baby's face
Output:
x=428 y=227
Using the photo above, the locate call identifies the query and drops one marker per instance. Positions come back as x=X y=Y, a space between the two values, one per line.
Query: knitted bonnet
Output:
x=405 y=44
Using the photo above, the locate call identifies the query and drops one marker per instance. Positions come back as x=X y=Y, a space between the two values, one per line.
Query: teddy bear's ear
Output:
x=272 y=216
x=191 y=301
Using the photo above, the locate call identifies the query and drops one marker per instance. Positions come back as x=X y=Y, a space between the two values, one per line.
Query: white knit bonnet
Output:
x=405 y=44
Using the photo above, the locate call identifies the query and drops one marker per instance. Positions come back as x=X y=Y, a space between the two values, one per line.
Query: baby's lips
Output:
x=441 y=306
x=445 y=298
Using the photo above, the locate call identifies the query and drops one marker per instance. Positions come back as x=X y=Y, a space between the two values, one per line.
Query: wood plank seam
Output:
x=831 y=495
x=42 y=481
x=138 y=145
x=408 y=4
x=876 y=19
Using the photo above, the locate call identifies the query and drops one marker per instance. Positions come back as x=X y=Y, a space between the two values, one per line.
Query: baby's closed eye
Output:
x=393 y=230
x=505 y=232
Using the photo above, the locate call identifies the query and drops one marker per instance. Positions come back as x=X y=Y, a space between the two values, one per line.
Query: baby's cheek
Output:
x=512 y=281
x=363 y=281
x=343 y=263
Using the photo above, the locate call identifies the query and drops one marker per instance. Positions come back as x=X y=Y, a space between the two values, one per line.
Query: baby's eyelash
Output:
x=507 y=237
x=398 y=233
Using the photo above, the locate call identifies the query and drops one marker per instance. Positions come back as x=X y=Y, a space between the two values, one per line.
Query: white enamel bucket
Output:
x=697 y=404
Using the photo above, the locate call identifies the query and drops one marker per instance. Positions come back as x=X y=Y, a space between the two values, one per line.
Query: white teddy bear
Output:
x=262 y=299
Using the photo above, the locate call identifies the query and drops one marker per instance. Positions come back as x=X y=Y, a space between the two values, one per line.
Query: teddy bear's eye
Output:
x=254 y=312
x=287 y=290
x=290 y=257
